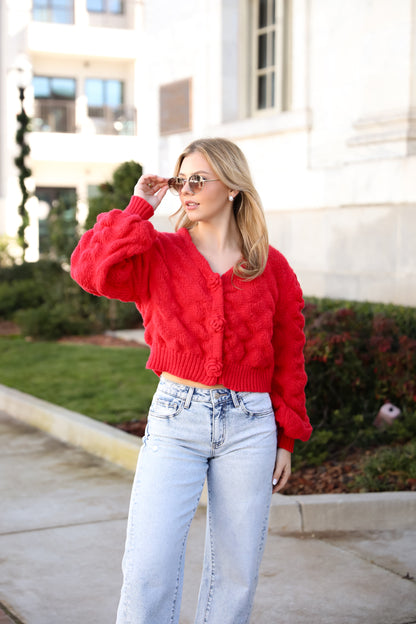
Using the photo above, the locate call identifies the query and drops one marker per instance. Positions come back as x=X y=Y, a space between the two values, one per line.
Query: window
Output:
x=102 y=93
x=54 y=88
x=55 y=11
x=106 y=107
x=93 y=191
x=105 y=6
x=270 y=49
x=55 y=201
x=54 y=104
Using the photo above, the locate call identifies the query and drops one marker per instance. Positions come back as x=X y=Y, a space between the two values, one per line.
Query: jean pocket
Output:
x=255 y=404
x=165 y=407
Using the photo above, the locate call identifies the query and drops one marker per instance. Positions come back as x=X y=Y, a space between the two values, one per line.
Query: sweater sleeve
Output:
x=112 y=259
x=289 y=377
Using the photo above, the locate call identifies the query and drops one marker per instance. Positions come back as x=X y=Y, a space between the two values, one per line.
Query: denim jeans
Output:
x=228 y=438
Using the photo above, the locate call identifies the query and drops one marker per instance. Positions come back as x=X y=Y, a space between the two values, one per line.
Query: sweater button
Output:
x=217 y=323
x=214 y=281
x=213 y=367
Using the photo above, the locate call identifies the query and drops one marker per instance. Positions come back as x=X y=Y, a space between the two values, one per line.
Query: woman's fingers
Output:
x=282 y=469
x=152 y=188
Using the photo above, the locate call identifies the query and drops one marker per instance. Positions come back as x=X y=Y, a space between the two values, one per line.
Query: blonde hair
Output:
x=230 y=165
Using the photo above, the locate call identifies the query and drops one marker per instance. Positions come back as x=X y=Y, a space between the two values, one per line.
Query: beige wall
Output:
x=337 y=172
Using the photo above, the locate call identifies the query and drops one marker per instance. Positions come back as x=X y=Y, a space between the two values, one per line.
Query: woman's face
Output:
x=211 y=202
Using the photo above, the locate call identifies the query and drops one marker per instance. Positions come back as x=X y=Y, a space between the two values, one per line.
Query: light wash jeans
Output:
x=229 y=438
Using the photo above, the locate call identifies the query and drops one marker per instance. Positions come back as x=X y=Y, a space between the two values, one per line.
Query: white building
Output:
x=83 y=57
x=319 y=94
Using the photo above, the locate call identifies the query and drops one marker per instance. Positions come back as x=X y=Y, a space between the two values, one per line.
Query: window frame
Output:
x=50 y=10
x=106 y=8
x=104 y=82
x=52 y=95
x=55 y=111
x=49 y=195
x=276 y=71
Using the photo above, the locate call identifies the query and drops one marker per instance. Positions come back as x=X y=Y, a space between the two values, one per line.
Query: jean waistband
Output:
x=190 y=393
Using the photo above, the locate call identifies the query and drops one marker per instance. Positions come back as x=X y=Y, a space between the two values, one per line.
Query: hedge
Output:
x=47 y=304
x=358 y=356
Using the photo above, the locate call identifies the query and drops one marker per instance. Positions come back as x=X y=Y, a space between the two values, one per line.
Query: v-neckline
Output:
x=203 y=262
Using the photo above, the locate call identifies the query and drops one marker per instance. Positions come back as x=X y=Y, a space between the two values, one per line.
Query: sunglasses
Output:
x=196 y=182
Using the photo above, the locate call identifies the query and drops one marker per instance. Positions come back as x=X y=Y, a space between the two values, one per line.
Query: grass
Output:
x=106 y=383
x=390 y=468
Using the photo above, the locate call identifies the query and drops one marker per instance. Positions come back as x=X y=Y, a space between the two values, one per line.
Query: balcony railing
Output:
x=108 y=120
x=54 y=116
x=63 y=116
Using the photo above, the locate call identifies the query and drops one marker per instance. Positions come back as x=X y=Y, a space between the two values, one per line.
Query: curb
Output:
x=323 y=513
x=96 y=437
x=371 y=511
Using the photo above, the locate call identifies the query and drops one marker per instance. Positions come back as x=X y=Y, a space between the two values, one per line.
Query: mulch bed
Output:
x=8 y=328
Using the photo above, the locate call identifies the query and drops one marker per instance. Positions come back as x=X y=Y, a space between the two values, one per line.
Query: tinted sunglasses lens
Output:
x=176 y=185
x=196 y=182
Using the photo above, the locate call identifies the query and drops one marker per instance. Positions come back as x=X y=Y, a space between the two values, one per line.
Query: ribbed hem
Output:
x=191 y=366
x=141 y=207
x=283 y=441
x=184 y=365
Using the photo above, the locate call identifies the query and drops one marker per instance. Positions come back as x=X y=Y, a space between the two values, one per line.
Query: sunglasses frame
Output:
x=195 y=185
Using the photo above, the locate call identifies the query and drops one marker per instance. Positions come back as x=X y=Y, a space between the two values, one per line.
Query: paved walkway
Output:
x=62 y=526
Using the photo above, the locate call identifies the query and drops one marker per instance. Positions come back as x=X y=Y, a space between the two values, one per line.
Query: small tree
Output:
x=114 y=194
x=24 y=172
x=6 y=259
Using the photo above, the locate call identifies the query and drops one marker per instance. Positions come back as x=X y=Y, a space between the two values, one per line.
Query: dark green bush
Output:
x=50 y=322
x=19 y=294
x=115 y=193
x=46 y=303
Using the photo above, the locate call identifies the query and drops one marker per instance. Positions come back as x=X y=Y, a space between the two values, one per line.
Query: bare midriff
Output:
x=188 y=382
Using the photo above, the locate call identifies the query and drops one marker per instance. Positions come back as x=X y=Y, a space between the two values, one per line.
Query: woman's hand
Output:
x=282 y=469
x=152 y=188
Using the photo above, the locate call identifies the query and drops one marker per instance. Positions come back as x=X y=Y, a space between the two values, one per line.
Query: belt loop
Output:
x=189 y=397
x=235 y=398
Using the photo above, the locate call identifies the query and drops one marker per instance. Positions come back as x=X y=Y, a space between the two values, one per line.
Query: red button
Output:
x=217 y=323
x=213 y=367
x=214 y=281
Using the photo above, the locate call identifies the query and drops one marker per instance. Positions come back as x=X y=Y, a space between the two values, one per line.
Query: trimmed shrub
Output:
x=47 y=303
x=358 y=356
x=19 y=294
x=50 y=322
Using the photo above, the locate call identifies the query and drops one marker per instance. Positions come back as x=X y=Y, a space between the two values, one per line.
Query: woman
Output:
x=222 y=312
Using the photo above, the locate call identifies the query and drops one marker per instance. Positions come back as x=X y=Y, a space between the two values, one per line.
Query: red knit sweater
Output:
x=209 y=328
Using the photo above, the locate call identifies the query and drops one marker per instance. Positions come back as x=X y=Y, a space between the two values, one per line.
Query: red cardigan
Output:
x=210 y=328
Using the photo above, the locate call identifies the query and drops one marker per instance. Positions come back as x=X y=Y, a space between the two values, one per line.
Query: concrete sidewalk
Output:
x=62 y=527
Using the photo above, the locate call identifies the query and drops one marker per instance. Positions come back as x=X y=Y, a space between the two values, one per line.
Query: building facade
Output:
x=82 y=57
x=319 y=94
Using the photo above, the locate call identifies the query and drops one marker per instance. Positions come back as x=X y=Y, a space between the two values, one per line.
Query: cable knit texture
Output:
x=209 y=328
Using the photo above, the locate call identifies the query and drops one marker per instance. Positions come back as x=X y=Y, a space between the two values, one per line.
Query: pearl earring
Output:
x=230 y=198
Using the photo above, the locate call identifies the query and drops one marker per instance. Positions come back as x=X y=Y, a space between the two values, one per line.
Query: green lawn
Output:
x=108 y=384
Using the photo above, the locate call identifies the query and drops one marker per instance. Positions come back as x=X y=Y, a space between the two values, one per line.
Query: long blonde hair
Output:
x=230 y=165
